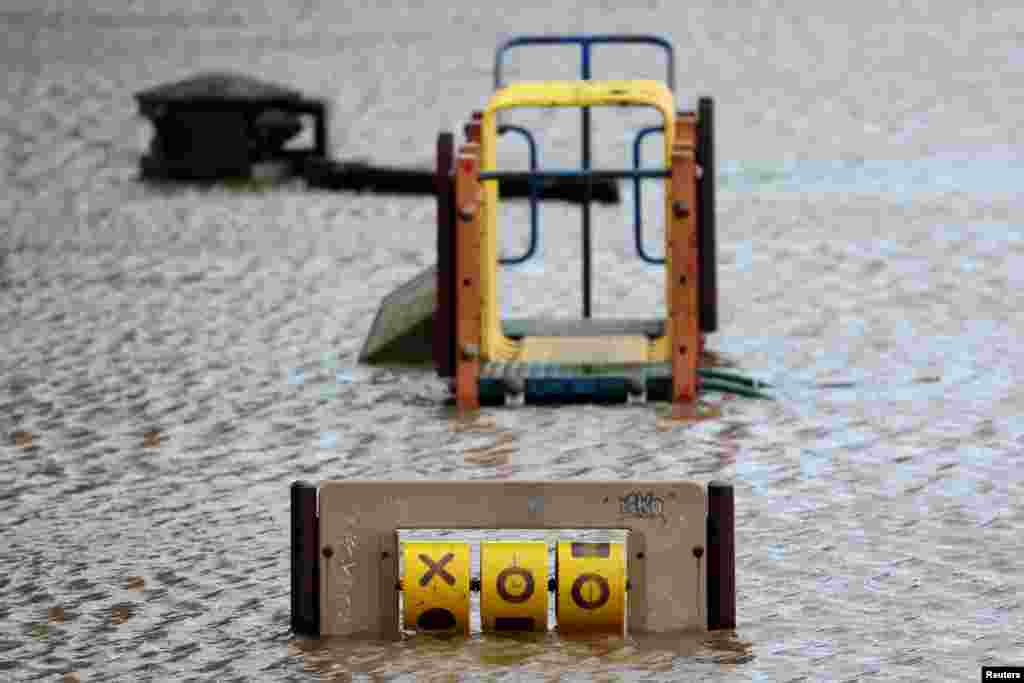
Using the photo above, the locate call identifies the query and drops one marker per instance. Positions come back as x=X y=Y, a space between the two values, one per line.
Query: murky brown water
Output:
x=173 y=359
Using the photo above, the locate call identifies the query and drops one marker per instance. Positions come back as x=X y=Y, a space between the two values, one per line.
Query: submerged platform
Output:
x=544 y=383
x=402 y=331
x=561 y=361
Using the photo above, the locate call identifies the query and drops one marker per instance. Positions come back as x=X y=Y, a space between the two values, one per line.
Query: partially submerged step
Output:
x=402 y=330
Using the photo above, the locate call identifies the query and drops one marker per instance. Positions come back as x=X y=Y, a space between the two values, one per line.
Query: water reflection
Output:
x=541 y=656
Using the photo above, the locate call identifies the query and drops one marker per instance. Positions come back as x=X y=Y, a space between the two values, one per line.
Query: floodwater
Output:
x=174 y=358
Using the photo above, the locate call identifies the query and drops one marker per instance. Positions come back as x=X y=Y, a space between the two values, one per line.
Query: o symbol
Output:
x=577 y=591
x=502 y=582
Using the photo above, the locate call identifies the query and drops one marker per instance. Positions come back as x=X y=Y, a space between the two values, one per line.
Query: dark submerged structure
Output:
x=220 y=125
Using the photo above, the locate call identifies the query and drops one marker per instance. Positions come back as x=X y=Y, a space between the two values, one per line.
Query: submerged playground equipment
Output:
x=671 y=566
x=562 y=361
x=544 y=360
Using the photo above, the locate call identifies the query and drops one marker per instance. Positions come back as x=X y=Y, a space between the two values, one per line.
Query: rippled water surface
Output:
x=174 y=358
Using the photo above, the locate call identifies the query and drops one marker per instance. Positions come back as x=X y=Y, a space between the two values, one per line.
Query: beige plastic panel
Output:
x=359 y=544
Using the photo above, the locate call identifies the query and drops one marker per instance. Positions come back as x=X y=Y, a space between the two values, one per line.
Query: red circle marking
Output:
x=467 y=165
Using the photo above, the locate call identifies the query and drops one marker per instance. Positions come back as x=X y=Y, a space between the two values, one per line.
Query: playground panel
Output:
x=345 y=551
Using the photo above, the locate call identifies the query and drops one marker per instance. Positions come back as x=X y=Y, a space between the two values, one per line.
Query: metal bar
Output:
x=533 y=192
x=444 y=323
x=587 y=40
x=706 y=215
x=588 y=189
x=552 y=174
x=305 y=560
x=721 y=563
x=637 y=218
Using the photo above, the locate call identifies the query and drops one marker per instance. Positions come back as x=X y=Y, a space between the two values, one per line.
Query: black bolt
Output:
x=385 y=555
x=698 y=551
x=328 y=552
x=680 y=209
x=639 y=556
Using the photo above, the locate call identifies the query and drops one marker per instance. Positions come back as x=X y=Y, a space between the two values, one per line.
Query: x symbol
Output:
x=437 y=568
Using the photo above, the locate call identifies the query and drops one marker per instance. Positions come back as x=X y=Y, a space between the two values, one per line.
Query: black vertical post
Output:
x=707 y=276
x=305 y=560
x=721 y=566
x=444 y=311
x=588 y=189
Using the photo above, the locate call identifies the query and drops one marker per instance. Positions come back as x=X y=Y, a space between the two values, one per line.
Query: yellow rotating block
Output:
x=591 y=586
x=436 y=586
x=514 y=586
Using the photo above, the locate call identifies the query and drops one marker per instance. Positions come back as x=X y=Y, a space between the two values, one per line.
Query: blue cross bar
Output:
x=534 y=214
x=572 y=173
x=637 y=217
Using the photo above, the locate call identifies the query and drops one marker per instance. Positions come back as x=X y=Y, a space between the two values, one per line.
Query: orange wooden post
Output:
x=684 y=305
x=468 y=214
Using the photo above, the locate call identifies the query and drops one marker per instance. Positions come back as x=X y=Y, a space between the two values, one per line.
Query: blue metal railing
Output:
x=585 y=42
x=637 y=210
x=549 y=174
x=534 y=214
